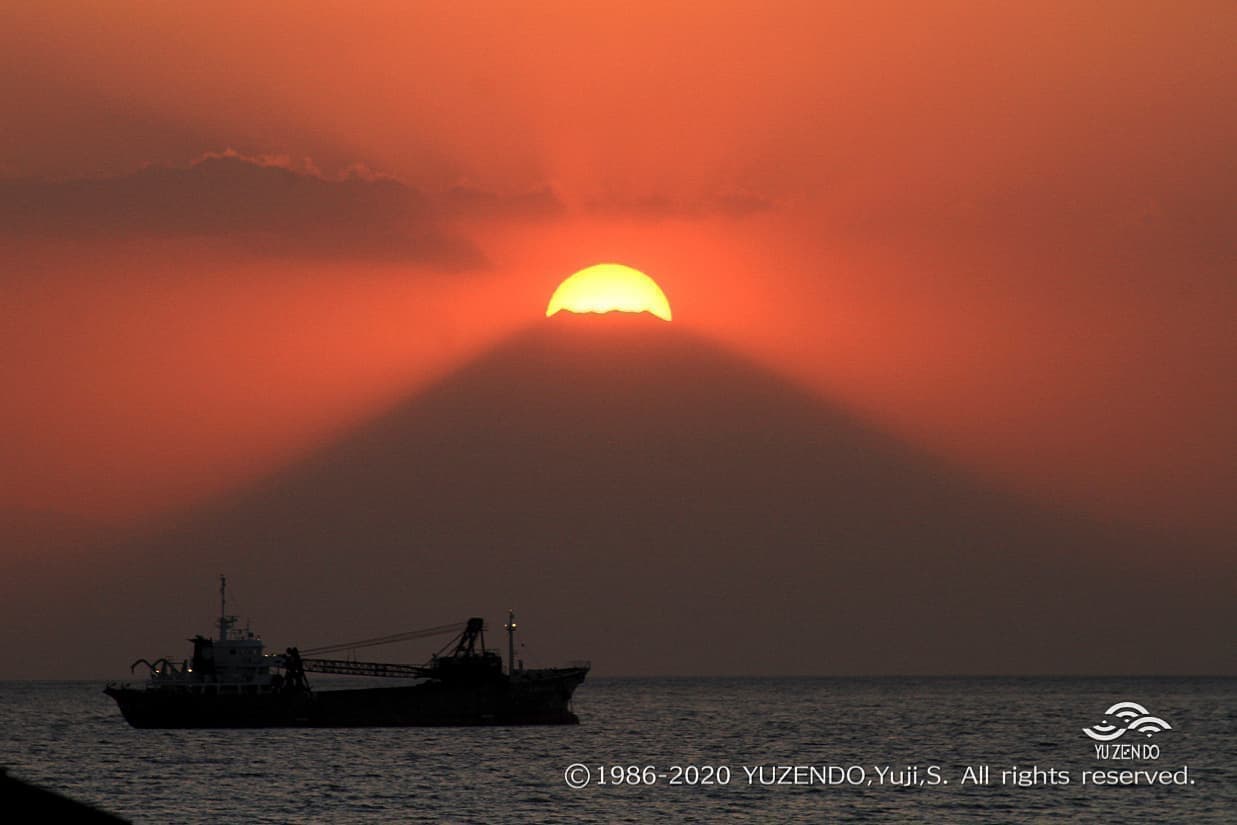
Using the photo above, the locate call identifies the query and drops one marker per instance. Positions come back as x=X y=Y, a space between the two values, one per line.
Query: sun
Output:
x=609 y=288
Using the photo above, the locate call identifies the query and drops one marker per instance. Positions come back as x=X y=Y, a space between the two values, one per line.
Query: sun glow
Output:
x=609 y=288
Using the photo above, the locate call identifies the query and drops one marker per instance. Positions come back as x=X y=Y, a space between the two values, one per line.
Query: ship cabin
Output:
x=234 y=663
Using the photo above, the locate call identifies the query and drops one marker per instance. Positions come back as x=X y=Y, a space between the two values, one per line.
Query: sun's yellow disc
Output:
x=609 y=288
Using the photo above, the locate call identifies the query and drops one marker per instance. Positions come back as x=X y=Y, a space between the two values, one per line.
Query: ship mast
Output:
x=224 y=620
x=510 y=626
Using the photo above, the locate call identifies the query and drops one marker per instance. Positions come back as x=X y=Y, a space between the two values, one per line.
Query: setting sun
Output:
x=609 y=288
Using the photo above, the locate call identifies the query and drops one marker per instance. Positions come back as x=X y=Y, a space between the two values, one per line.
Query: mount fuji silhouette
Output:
x=651 y=502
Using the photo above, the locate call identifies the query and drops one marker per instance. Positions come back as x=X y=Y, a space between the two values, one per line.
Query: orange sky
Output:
x=1005 y=234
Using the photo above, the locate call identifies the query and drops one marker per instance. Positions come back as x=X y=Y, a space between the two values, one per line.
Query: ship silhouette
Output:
x=232 y=682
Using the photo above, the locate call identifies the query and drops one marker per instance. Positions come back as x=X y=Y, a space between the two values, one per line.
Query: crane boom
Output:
x=349 y=668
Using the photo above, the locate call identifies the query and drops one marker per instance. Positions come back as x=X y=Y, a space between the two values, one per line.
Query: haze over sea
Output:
x=69 y=737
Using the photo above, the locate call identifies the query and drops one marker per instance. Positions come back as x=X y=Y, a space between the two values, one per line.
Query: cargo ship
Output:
x=232 y=682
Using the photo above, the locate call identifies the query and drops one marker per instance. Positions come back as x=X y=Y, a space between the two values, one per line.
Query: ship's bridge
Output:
x=238 y=658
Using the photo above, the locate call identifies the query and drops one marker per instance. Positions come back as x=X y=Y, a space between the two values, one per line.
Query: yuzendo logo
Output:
x=1129 y=716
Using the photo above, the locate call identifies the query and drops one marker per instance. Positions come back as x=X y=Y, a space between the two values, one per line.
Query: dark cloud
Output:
x=270 y=206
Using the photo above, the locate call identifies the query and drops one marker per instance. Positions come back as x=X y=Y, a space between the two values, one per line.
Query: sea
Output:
x=767 y=750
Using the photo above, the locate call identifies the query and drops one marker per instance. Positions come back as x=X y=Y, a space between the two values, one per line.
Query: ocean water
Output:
x=685 y=750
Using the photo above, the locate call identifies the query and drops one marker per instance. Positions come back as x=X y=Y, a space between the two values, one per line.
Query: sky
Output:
x=1000 y=233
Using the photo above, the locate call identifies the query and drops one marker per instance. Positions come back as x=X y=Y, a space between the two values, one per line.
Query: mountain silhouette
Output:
x=659 y=505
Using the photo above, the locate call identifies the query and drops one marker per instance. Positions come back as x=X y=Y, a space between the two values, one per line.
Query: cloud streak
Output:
x=269 y=205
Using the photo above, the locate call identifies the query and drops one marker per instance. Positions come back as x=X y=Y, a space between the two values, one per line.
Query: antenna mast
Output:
x=225 y=621
x=510 y=625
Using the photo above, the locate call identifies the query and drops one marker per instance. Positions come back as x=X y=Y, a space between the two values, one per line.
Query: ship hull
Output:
x=530 y=698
